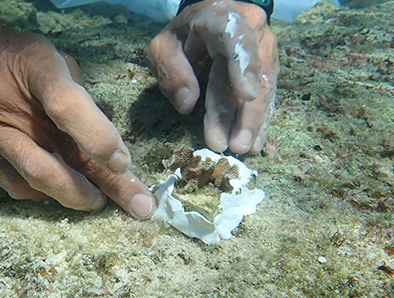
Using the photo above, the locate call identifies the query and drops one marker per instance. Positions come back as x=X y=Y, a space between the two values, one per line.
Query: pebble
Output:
x=322 y=260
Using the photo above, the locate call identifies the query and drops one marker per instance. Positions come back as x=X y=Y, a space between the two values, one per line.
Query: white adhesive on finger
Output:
x=242 y=56
x=231 y=26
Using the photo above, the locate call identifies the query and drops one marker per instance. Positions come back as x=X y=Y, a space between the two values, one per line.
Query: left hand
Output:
x=242 y=80
x=54 y=141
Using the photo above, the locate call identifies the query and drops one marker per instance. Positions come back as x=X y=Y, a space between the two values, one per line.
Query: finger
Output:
x=244 y=64
x=175 y=75
x=226 y=32
x=262 y=135
x=252 y=118
x=71 y=108
x=220 y=107
x=126 y=189
x=247 y=123
x=196 y=52
x=129 y=193
x=48 y=173
x=268 y=52
x=17 y=187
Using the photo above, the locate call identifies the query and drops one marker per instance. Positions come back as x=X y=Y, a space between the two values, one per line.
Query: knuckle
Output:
x=102 y=178
x=255 y=16
x=30 y=43
x=39 y=177
x=90 y=167
x=63 y=111
x=156 y=45
x=36 y=172
x=262 y=17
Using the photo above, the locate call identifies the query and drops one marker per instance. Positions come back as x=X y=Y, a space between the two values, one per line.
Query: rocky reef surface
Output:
x=326 y=226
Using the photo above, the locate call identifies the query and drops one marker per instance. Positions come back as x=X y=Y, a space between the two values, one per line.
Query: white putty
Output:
x=231 y=26
x=242 y=56
x=264 y=77
x=240 y=53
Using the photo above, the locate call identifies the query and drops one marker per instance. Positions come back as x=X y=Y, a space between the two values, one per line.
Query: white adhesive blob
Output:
x=231 y=26
x=242 y=56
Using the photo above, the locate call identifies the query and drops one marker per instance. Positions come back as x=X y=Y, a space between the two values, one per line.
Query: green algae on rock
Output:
x=337 y=71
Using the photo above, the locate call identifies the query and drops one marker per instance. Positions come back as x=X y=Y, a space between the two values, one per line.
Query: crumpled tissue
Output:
x=234 y=206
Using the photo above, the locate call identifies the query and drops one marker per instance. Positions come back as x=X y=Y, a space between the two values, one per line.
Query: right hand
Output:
x=243 y=70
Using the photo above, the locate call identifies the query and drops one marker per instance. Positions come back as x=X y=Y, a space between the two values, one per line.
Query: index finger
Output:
x=47 y=77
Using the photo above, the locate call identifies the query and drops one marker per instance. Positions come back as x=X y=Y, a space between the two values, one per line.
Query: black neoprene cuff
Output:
x=267 y=5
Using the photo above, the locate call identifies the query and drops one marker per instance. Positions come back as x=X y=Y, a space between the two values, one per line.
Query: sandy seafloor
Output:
x=327 y=170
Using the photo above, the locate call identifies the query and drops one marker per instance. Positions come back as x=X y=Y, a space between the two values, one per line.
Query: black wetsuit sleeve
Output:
x=267 y=5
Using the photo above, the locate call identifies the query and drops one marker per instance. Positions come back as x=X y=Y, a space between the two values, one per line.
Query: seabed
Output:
x=325 y=228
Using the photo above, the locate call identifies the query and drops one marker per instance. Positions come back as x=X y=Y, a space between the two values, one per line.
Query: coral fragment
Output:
x=198 y=174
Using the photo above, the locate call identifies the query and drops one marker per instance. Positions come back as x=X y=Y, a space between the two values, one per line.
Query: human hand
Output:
x=54 y=141
x=242 y=80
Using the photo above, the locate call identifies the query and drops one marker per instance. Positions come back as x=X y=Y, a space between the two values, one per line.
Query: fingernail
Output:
x=181 y=99
x=216 y=142
x=219 y=146
x=244 y=140
x=142 y=206
x=119 y=161
x=101 y=201
x=251 y=84
x=257 y=146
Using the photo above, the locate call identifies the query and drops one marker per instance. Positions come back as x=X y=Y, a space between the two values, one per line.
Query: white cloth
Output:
x=285 y=10
x=157 y=9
